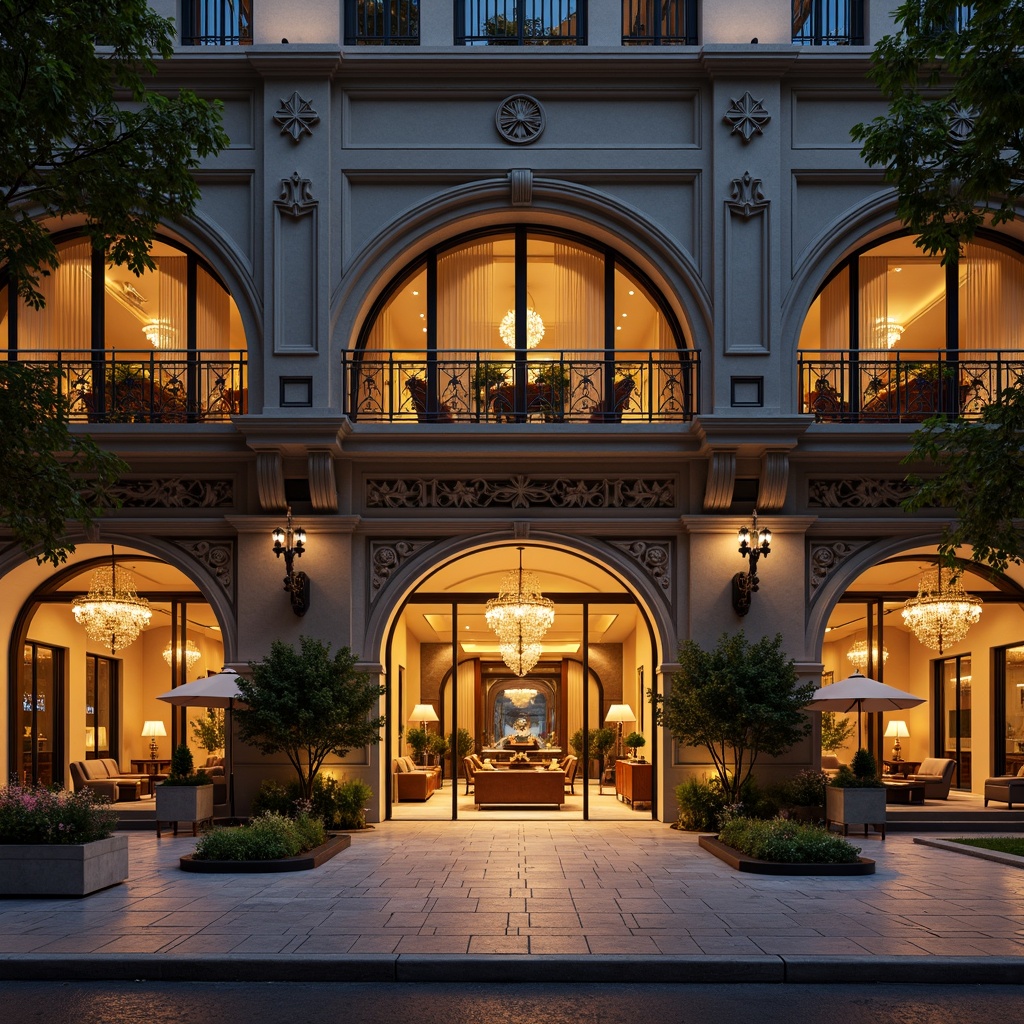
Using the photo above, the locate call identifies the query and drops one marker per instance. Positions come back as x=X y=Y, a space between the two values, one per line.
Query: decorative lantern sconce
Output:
x=291 y=542
x=753 y=544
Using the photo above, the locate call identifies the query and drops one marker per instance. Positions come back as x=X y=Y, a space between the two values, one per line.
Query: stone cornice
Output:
x=323 y=524
x=776 y=522
x=294 y=435
x=749 y=436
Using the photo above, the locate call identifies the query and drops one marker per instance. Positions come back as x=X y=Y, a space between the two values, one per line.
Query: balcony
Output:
x=874 y=387
x=470 y=387
x=216 y=23
x=148 y=386
x=828 y=22
x=382 y=23
x=659 y=22
x=520 y=23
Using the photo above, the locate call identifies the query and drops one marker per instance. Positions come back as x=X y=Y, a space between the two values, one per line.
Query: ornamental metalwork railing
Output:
x=659 y=22
x=382 y=23
x=147 y=386
x=471 y=387
x=216 y=22
x=520 y=23
x=909 y=387
x=828 y=22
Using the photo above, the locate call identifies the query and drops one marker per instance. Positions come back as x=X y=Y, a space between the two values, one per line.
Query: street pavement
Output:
x=531 y=901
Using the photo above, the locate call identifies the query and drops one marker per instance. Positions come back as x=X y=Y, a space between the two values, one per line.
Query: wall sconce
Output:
x=291 y=542
x=753 y=544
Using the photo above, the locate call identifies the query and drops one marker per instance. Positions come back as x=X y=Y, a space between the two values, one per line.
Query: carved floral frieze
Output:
x=520 y=492
x=858 y=493
x=172 y=492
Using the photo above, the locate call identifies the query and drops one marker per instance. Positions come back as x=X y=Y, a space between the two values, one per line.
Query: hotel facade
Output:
x=578 y=283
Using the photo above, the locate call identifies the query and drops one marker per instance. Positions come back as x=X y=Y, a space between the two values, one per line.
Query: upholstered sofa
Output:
x=1008 y=789
x=513 y=788
x=103 y=776
x=937 y=775
x=413 y=782
x=830 y=764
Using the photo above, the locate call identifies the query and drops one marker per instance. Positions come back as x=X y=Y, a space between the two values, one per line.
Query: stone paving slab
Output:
x=555 y=901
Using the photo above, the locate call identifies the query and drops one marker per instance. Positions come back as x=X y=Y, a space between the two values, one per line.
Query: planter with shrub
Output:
x=856 y=796
x=185 y=795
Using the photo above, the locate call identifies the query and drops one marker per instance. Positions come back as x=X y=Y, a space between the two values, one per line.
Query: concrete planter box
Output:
x=855 y=806
x=175 y=804
x=74 y=870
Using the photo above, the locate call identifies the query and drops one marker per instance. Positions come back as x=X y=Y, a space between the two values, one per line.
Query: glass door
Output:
x=953 y=704
x=100 y=705
x=40 y=715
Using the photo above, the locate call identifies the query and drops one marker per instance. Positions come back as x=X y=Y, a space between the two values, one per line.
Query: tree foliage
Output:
x=952 y=142
x=49 y=475
x=980 y=477
x=307 y=705
x=738 y=701
x=81 y=134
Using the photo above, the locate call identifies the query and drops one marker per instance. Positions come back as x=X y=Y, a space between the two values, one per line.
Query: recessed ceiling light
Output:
x=631 y=292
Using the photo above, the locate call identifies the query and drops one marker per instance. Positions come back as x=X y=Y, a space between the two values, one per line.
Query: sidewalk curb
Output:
x=373 y=967
x=996 y=856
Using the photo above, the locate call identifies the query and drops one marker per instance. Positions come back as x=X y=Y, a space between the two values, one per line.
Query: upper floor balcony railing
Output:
x=659 y=22
x=873 y=387
x=472 y=387
x=828 y=22
x=382 y=23
x=216 y=22
x=520 y=23
x=148 y=387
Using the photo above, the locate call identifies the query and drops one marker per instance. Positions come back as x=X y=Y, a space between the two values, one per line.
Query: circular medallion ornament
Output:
x=520 y=119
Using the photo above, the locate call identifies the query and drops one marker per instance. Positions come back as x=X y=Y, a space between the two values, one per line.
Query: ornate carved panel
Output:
x=747 y=196
x=174 y=492
x=857 y=493
x=217 y=557
x=653 y=556
x=386 y=556
x=296 y=117
x=520 y=492
x=747 y=116
x=825 y=558
x=296 y=197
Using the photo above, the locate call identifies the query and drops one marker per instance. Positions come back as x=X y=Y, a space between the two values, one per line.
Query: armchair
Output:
x=937 y=775
x=1008 y=789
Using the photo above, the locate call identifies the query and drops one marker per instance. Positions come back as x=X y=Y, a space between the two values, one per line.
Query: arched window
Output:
x=521 y=325
x=895 y=336
x=167 y=344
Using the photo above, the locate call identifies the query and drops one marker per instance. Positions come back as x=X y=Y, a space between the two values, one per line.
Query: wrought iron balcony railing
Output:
x=216 y=22
x=521 y=23
x=909 y=387
x=828 y=22
x=382 y=23
x=659 y=22
x=470 y=387
x=148 y=386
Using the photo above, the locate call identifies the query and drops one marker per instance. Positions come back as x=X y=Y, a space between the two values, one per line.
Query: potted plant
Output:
x=552 y=383
x=185 y=795
x=803 y=796
x=465 y=742
x=855 y=795
x=488 y=376
x=438 y=746
x=419 y=741
x=634 y=741
x=58 y=843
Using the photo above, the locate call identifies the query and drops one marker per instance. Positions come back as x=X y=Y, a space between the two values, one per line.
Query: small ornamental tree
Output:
x=738 y=701
x=308 y=705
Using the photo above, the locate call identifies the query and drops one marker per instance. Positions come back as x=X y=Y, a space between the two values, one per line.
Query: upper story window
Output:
x=520 y=23
x=216 y=22
x=382 y=23
x=828 y=22
x=659 y=22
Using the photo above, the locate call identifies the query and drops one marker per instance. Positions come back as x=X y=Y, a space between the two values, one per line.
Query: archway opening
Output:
x=443 y=663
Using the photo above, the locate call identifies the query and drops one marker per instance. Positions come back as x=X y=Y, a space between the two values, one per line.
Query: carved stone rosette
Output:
x=747 y=116
x=825 y=558
x=386 y=556
x=296 y=117
x=653 y=556
x=217 y=557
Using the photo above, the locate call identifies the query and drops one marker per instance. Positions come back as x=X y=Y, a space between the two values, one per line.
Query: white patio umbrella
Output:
x=859 y=693
x=216 y=691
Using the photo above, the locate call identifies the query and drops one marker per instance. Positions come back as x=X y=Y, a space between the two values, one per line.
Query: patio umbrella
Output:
x=859 y=693
x=217 y=691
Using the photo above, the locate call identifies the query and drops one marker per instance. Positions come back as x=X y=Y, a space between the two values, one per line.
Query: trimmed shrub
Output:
x=787 y=842
x=805 y=789
x=339 y=805
x=701 y=803
x=183 y=770
x=268 y=837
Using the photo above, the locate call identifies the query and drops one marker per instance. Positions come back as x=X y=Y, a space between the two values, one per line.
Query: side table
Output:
x=151 y=765
x=903 y=768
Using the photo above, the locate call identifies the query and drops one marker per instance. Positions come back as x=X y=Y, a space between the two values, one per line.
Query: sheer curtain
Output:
x=172 y=304
x=65 y=322
x=467 y=681
x=874 y=302
x=579 y=289
x=992 y=293
x=213 y=313
x=835 y=313
x=465 y=293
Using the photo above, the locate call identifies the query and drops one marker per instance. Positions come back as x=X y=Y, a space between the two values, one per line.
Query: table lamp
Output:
x=900 y=731
x=424 y=713
x=152 y=730
x=619 y=713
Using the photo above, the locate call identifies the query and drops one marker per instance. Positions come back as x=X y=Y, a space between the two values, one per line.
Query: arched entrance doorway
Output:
x=973 y=712
x=446 y=675
x=74 y=697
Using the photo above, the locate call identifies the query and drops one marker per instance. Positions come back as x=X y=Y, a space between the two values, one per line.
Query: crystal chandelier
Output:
x=942 y=612
x=889 y=330
x=112 y=613
x=160 y=333
x=858 y=655
x=534 y=328
x=521 y=696
x=190 y=655
x=520 y=616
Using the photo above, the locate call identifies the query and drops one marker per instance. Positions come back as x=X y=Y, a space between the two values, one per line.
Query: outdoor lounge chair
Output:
x=937 y=775
x=1008 y=789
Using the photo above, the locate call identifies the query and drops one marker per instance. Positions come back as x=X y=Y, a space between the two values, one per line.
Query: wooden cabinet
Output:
x=634 y=782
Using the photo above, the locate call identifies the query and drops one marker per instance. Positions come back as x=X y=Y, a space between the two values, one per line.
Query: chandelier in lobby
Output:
x=520 y=696
x=534 y=328
x=112 y=613
x=520 y=616
x=190 y=654
x=858 y=655
x=942 y=612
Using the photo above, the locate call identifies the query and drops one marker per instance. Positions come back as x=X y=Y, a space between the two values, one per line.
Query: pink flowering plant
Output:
x=35 y=814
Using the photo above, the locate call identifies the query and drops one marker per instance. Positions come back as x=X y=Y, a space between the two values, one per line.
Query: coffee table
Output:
x=904 y=792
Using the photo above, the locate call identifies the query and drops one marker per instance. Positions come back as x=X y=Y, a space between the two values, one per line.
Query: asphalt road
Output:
x=279 y=1003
